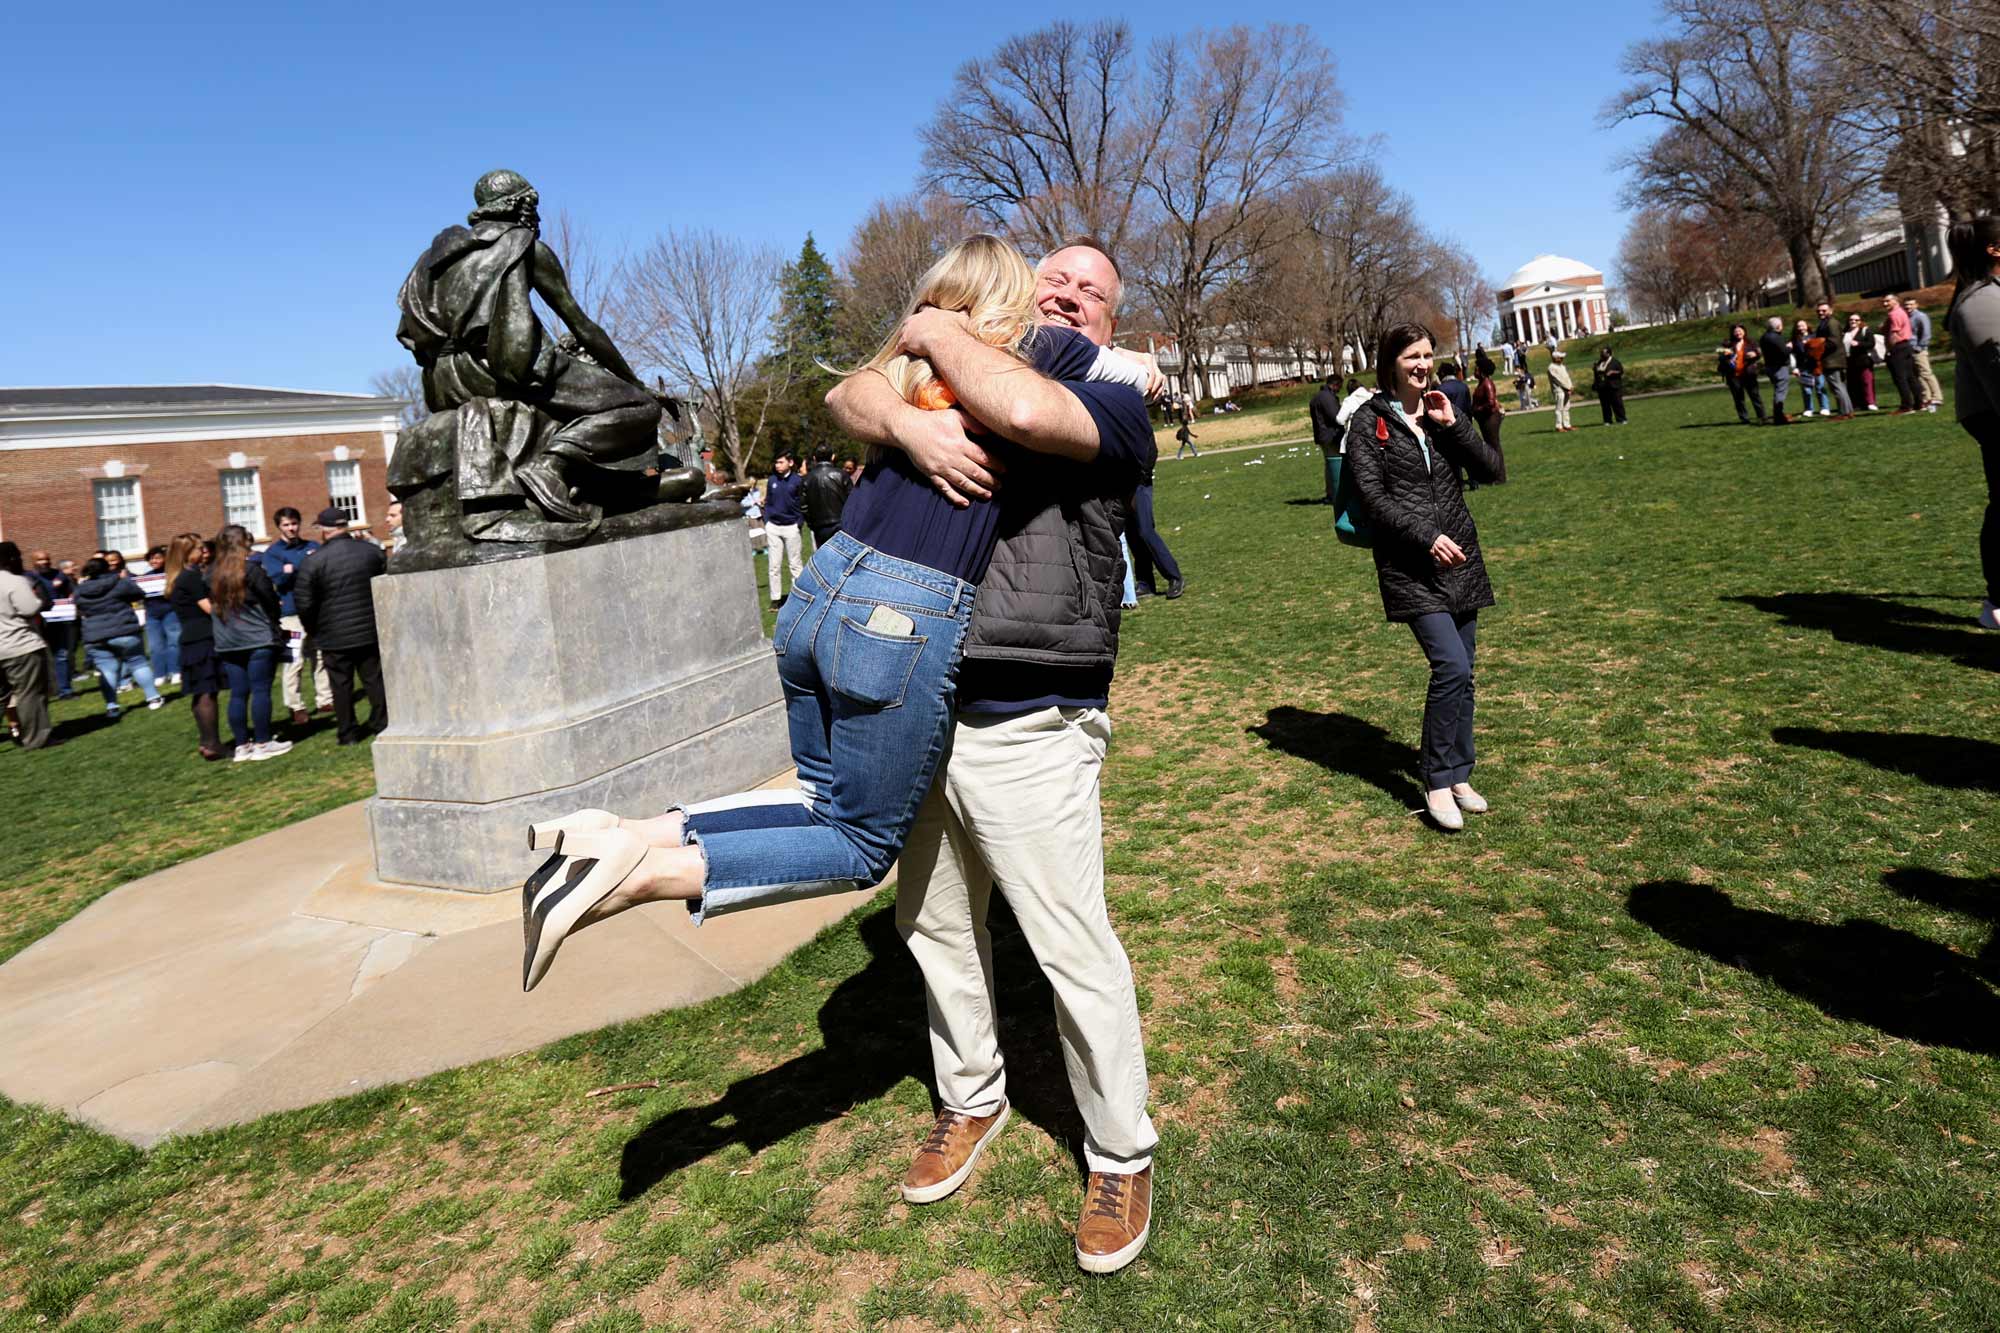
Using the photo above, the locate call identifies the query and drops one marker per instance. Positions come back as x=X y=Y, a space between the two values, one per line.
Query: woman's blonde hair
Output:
x=982 y=277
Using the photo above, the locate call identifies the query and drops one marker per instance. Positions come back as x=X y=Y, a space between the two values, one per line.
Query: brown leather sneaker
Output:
x=947 y=1156
x=1117 y=1218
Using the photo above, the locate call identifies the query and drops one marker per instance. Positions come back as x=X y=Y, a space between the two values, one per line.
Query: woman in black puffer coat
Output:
x=1405 y=447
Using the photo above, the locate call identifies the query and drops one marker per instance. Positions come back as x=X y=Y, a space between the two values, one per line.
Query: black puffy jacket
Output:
x=1408 y=505
x=331 y=591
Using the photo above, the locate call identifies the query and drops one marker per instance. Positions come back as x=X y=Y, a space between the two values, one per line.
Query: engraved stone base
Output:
x=628 y=675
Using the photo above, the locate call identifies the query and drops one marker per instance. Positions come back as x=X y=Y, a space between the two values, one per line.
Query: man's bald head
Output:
x=1078 y=287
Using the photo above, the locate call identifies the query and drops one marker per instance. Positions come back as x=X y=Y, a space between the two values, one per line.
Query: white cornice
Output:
x=62 y=430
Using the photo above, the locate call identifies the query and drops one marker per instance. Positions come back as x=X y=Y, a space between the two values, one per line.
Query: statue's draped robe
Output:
x=450 y=302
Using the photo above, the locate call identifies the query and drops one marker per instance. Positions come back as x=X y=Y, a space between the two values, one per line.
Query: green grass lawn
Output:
x=1697 y=1030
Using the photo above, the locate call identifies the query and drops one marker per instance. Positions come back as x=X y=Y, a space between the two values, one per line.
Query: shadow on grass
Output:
x=1941 y=761
x=1959 y=894
x=1344 y=744
x=77 y=727
x=1858 y=971
x=1879 y=621
x=876 y=1034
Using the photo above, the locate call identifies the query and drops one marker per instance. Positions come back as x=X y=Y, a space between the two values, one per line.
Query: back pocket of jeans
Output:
x=795 y=611
x=872 y=668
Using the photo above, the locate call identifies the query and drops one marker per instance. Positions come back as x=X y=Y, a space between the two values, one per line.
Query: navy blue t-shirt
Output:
x=781 y=499
x=897 y=510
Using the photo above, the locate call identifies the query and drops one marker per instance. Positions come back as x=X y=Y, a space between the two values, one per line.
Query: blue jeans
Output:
x=1448 y=642
x=870 y=712
x=118 y=657
x=247 y=672
x=1149 y=548
x=163 y=638
x=1130 y=598
x=1812 y=388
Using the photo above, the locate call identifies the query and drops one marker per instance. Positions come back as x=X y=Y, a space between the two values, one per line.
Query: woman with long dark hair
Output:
x=187 y=592
x=246 y=622
x=1488 y=411
x=1975 y=332
x=1405 y=447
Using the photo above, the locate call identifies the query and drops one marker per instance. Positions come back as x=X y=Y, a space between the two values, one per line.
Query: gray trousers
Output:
x=1448 y=642
x=28 y=678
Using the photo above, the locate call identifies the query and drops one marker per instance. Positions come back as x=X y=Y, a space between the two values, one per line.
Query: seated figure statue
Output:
x=538 y=434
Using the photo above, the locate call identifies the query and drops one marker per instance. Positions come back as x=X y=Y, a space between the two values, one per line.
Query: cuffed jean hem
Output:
x=782 y=807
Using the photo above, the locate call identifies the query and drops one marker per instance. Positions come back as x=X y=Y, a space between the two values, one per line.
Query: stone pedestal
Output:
x=629 y=675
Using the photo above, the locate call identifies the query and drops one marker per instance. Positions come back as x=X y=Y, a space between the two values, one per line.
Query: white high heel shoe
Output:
x=1443 y=810
x=547 y=836
x=555 y=898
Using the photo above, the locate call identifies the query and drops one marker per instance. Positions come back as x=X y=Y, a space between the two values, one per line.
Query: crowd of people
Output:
x=1833 y=363
x=214 y=618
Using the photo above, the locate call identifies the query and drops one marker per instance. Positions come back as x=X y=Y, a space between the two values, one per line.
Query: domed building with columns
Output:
x=1551 y=293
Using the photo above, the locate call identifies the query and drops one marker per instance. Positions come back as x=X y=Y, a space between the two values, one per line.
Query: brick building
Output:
x=130 y=466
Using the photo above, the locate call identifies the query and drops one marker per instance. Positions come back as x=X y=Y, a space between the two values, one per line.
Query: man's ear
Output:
x=1114 y=326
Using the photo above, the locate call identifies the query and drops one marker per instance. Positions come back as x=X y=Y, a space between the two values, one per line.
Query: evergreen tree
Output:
x=803 y=343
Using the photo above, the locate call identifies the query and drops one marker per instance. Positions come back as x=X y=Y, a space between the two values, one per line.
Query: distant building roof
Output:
x=1547 y=268
x=123 y=399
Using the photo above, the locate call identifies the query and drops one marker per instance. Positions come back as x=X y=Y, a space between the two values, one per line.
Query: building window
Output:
x=343 y=488
x=121 y=523
x=243 y=500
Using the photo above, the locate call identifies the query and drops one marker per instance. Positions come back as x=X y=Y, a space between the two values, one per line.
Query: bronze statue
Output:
x=533 y=440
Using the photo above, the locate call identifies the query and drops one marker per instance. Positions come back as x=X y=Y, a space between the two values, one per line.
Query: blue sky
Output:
x=232 y=193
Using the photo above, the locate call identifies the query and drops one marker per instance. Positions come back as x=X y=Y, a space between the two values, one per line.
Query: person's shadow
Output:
x=1340 y=743
x=1879 y=621
x=876 y=1034
x=1962 y=895
x=1942 y=761
x=1858 y=971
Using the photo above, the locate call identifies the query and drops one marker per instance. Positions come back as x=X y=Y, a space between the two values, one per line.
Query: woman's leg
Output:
x=133 y=650
x=1468 y=635
x=236 y=679
x=262 y=667
x=105 y=662
x=887 y=704
x=204 y=723
x=1985 y=428
x=172 y=624
x=1450 y=694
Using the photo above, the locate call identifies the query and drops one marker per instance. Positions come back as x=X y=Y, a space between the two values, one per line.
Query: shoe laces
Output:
x=940 y=1140
x=1107 y=1197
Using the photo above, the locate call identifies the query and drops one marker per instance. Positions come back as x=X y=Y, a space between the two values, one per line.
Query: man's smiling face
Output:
x=1077 y=288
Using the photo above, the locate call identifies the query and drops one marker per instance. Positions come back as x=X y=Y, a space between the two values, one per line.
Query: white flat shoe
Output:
x=1468 y=800
x=1443 y=810
x=1989 y=615
x=568 y=885
x=547 y=836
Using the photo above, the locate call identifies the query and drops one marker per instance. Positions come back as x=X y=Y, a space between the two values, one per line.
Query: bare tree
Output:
x=700 y=306
x=1927 y=78
x=1749 y=109
x=1250 y=115
x=1463 y=293
x=1048 y=138
x=891 y=248
x=407 y=383
x=1662 y=275
x=1379 y=263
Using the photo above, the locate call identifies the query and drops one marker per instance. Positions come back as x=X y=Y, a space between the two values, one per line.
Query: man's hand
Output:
x=937 y=443
x=922 y=331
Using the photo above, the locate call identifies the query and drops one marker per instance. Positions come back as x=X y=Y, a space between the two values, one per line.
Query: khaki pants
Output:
x=781 y=539
x=1561 y=397
x=1927 y=379
x=1017 y=806
x=295 y=670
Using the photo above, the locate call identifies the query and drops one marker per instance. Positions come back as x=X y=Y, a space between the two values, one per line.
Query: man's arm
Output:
x=995 y=388
x=868 y=409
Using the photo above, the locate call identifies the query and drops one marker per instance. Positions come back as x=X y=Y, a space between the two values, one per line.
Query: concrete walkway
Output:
x=274 y=975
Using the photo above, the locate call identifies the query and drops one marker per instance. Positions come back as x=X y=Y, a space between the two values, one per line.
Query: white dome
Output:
x=1547 y=268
